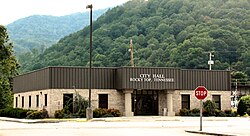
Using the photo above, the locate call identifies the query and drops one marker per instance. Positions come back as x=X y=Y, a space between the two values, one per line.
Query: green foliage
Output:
x=184 y=112
x=217 y=113
x=37 y=114
x=239 y=76
x=42 y=30
x=209 y=108
x=79 y=108
x=243 y=105
x=100 y=112
x=248 y=111
x=80 y=105
x=165 y=33
x=14 y=112
x=59 y=113
x=8 y=69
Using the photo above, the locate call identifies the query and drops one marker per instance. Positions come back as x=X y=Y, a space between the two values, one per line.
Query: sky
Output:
x=12 y=10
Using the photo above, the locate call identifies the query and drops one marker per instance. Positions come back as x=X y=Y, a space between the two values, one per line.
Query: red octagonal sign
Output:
x=200 y=92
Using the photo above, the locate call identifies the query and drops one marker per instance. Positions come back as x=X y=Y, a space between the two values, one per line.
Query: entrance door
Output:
x=145 y=102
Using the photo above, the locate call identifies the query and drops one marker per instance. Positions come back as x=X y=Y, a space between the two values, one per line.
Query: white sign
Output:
x=151 y=78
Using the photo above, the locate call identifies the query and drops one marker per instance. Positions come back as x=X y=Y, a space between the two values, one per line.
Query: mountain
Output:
x=41 y=31
x=165 y=33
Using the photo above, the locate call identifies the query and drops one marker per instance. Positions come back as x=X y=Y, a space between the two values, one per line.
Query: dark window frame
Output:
x=185 y=102
x=45 y=99
x=22 y=101
x=103 y=101
x=217 y=102
x=29 y=100
x=16 y=102
x=37 y=100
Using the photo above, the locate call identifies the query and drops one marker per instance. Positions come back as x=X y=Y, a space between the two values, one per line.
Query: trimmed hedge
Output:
x=218 y=113
x=37 y=114
x=100 y=112
x=14 y=112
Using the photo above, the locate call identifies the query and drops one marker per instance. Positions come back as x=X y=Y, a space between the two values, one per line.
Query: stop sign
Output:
x=200 y=92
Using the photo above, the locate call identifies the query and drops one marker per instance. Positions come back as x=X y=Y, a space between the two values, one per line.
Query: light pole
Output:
x=210 y=61
x=89 y=112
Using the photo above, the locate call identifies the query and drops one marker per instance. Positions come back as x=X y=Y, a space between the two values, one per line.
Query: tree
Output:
x=8 y=68
x=243 y=105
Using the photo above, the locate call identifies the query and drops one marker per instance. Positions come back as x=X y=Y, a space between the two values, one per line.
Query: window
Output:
x=45 y=99
x=185 y=101
x=22 y=101
x=37 y=100
x=16 y=102
x=103 y=101
x=216 y=100
x=29 y=101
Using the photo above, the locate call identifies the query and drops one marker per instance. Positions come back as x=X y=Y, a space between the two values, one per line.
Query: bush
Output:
x=184 y=112
x=114 y=112
x=195 y=112
x=100 y=112
x=37 y=114
x=13 y=112
x=108 y=115
x=243 y=105
x=248 y=111
x=228 y=111
x=82 y=113
x=59 y=113
x=209 y=108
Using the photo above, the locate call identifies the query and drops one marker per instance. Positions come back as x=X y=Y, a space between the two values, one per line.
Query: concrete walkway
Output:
x=225 y=126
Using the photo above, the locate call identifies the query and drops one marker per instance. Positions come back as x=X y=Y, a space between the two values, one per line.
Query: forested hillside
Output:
x=41 y=31
x=165 y=33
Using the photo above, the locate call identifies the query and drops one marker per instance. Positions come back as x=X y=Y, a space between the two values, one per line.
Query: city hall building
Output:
x=132 y=90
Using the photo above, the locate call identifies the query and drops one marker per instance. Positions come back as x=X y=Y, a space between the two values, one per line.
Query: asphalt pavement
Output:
x=225 y=126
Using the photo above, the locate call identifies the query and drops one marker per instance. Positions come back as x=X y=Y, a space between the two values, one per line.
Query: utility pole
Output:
x=235 y=94
x=210 y=61
x=89 y=111
x=131 y=53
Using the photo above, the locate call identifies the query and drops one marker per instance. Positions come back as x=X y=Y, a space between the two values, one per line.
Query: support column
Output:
x=128 y=103
x=170 y=111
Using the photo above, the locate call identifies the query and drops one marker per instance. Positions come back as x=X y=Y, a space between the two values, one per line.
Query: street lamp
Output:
x=89 y=112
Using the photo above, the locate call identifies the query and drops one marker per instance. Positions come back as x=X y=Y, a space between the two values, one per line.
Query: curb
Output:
x=208 y=133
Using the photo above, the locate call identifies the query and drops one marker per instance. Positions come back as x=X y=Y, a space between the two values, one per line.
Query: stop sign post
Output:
x=201 y=93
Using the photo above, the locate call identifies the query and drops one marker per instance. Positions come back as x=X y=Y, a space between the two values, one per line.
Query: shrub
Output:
x=209 y=108
x=82 y=113
x=234 y=114
x=243 y=105
x=219 y=113
x=59 y=113
x=114 y=112
x=13 y=112
x=248 y=111
x=184 y=112
x=100 y=112
x=108 y=115
x=228 y=111
x=195 y=112
x=37 y=114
